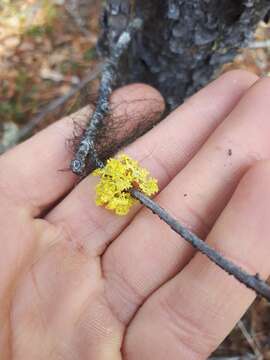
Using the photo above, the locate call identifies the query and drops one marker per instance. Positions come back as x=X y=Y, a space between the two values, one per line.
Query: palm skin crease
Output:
x=82 y=283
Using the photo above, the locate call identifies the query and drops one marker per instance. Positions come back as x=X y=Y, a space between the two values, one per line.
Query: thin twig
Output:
x=72 y=7
x=260 y=44
x=86 y=147
x=251 y=281
x=27 y=130
x=251 y=340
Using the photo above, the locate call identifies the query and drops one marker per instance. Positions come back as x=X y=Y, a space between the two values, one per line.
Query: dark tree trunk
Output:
x=183 y=42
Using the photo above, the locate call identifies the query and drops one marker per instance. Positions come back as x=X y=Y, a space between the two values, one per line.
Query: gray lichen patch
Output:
x=183 y=42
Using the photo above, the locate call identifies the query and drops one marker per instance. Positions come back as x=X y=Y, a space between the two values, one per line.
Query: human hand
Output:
x=78 y=282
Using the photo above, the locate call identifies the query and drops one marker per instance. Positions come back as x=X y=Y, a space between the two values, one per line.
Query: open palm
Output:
x=78 y=282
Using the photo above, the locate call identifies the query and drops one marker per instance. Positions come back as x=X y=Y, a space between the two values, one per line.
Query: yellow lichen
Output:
x=119 y=176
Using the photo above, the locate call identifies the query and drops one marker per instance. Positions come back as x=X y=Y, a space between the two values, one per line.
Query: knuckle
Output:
x=122 y=296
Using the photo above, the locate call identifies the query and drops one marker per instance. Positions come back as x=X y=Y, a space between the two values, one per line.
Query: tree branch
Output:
x=86 y=147
x=251 y=281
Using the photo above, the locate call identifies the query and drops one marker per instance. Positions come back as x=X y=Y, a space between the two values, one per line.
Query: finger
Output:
x=208 y=181
x=30 y=180
x=31 y=172
x=164 y=151
x=190 y=315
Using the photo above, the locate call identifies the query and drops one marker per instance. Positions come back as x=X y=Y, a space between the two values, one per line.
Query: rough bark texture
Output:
x=183 y=42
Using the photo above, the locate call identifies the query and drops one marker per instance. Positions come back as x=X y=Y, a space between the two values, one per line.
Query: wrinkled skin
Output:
x=78 y=282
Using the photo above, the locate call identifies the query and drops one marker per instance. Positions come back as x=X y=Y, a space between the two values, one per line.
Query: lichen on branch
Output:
x=86 y=147
x=118 y=177
x=123 y=181
x=183 y=43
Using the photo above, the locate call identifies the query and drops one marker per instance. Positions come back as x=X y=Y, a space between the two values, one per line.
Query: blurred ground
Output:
x=43 y=53
x=46 y=47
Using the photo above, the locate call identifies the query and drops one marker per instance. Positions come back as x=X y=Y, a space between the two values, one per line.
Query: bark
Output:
x=183 y=42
